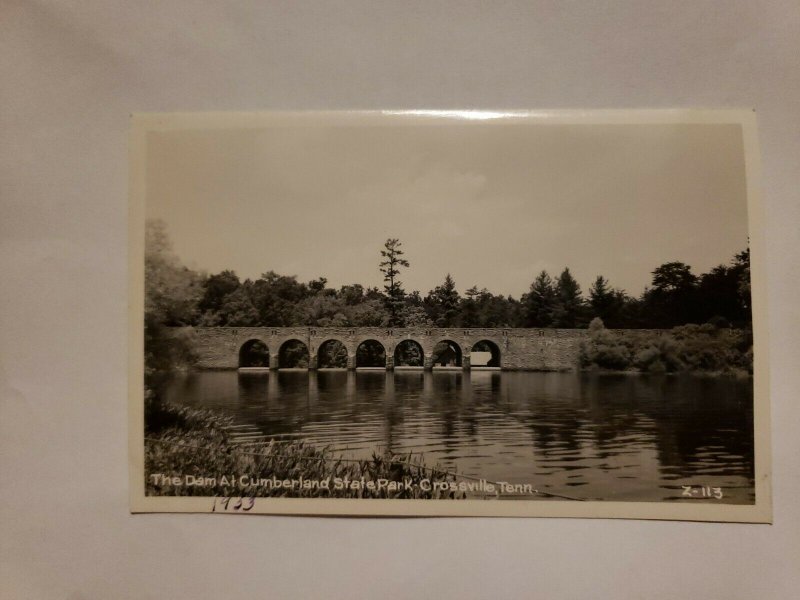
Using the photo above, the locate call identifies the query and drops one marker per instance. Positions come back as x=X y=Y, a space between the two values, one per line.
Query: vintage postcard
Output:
x=449 y=313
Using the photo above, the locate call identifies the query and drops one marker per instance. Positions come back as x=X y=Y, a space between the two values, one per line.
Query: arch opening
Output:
x=447 y=354
x=485 y=353
x=408 y=353
x=293 y=355
x=254 y=354
x=332 y=354
x=370 y=353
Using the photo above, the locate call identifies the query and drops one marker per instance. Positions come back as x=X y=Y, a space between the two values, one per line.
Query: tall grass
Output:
x=183 y=441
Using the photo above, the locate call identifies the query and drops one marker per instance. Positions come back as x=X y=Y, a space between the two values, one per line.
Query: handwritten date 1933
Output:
x=233 y=504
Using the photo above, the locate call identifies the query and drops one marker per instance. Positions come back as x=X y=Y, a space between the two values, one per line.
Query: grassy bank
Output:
x=181 y=441
x=690 y=348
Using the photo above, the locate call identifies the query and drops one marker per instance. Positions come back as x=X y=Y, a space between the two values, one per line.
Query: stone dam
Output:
x=508 y=348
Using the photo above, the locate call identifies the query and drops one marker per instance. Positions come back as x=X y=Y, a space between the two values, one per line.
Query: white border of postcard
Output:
x=760 y=512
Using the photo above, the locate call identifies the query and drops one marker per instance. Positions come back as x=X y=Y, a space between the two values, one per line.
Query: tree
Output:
x=540 y=301
x=626 y=311
x=741 y=264
x=409 y=354
x=317 y=286
x=369 y=313
x=605 y=302
x=351 y=294
x=332 y=354
x=172 y=292
x=276 y=297
x=415 y=316
x=600 y=297
x=371 y=353
x=470 y=307
x=723 y=294
x=569 y=304
x=237 y=310
x=718 y=296
x=672 y=300
x=322 y=310
x=216 y=288
x=499 y=311
x=390 y=267
x=446 y=300
x=673 y=277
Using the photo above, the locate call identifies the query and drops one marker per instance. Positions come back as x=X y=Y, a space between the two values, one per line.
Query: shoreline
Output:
x=190 y=452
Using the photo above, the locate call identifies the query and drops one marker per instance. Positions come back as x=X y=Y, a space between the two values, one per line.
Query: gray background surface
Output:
x=70 y=72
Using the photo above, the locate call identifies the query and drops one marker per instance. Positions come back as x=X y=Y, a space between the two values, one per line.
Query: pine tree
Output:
x=568 y=301
x=601 y=297
x=540 y=301
x=469 y=308
x=447 y=302
x=393 y=288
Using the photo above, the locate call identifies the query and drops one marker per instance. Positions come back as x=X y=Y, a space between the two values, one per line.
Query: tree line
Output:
x=177 y=295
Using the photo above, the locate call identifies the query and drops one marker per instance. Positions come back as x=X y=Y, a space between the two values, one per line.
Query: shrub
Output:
x=603 y=349
x=659 y=356
x=696 y=348
x=644 y=358
x=611 y=357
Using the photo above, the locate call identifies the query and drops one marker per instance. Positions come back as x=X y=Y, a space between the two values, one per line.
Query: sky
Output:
x=492 y=204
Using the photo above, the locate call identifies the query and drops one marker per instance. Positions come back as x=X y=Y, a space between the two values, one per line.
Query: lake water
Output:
x=604 y=437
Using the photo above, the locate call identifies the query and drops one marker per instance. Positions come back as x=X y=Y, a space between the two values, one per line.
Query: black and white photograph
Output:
x=448 y=313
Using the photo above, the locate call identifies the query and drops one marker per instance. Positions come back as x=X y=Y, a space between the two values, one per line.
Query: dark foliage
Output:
x=676 y=296
x=192 y=441
x=690 y=348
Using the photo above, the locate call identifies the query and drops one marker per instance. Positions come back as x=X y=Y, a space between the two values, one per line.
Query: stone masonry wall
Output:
x=520 y=349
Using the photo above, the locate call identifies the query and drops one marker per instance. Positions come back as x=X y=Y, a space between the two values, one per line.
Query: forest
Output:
x=675 y=296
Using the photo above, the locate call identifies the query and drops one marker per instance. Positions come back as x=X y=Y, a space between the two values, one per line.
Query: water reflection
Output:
x=598 y=436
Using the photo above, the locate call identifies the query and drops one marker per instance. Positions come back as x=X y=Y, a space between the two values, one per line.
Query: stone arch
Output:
x=409 y=353
x=332 y=354
x=293 y=354
x=482 y=346
x=254 y=353
x=371 y=353
x=447 y=353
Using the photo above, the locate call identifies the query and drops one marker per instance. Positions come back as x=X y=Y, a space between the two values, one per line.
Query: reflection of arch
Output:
x=409 y=353
x=332 y=354
x=483 y=346
x=447 y=354
x=293 y=355
x=370 y=353
x=254 y=353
